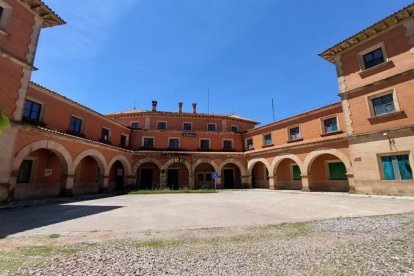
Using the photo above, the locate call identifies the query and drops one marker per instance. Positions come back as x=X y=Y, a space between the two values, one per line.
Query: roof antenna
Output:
x=135 y=102
x=273 y=109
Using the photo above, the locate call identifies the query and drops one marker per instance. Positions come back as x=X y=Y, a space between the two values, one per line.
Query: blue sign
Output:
x=215 y=175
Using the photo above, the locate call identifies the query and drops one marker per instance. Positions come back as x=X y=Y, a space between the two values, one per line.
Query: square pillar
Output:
x=163 y=179
x=305 y=183
x=247 y=181
x=351 y=182
x=67 y=190
x=272 y=183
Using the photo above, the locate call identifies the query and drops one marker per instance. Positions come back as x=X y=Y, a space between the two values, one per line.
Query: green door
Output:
x=337 y=171
x=172 y=179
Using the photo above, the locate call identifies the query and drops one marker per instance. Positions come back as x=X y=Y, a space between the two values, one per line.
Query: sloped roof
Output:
x=369 y=32
x=50 y=18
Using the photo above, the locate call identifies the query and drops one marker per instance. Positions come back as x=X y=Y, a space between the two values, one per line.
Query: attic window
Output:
x=373 y=58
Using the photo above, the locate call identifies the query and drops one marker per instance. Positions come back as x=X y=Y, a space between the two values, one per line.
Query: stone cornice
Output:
x=366 y=34
x=50 y=18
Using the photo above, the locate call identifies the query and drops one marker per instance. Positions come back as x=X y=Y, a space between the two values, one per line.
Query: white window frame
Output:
x=5 y=18
x=375 y=95
x=109 y=133
x=379 y=162
x=264 y=140
x=371 y=49
x=300 y=133
x=322 y=124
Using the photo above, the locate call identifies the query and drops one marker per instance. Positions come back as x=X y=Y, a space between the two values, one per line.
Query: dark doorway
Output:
x=146 y=179
x=173 y=178
x=228 y=179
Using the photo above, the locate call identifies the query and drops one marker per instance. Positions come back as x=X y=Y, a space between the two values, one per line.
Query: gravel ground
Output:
x=380 y=245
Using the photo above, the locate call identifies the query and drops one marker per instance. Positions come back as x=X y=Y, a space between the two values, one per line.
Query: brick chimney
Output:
x=180 y=107
x=194 y=108
x=154 y=106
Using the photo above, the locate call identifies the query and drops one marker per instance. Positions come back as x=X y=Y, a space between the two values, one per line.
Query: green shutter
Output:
x=296 y=173
x=337 y=171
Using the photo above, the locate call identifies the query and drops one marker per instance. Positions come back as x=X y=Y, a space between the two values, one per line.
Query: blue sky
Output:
x=113 y=54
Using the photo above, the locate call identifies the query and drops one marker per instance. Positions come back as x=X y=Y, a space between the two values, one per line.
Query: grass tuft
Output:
x=54 y=236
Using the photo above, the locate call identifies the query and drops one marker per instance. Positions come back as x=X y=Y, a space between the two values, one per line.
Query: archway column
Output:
x=272 y=183
x=69 y=183
x=351 y=182
x=12 y=186
x=104 y=187
x=131 y=180
x=163 y=179
x=246 y=181
x=305 y=183
x=191 y=181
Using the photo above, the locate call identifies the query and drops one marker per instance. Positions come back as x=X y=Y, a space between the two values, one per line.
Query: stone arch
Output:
x=316 y=153
x=278 y=159
x=211 y=162
x=124 y=161
x=96 y=155
x=252 y=162
x=233 y=161
x=177 y=160
x=55 y=147
x=146 y=160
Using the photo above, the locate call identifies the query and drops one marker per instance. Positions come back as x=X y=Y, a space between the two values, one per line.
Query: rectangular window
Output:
x=337 y=171
x=267 y=139
x=25 y=171
x=383 y=105
x=211 y=127
x=227 y=145
x=187 y=126
x=31 y=111
x=123 y=140
x=249 y=144
x=174 y=143
x=373 y=58
x=396 y=167
x=294 y=134
x=135 y=125
x=162 y=125
x=330 y=125
x=148 y=143
x=205 y=144
x=234 y=129
x=296 y=172
x=75 y=125
x=105 y=135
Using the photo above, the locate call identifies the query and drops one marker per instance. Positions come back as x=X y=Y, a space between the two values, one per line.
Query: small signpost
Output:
x=215 y=176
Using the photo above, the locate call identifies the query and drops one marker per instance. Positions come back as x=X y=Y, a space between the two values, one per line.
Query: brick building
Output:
x=363 y=144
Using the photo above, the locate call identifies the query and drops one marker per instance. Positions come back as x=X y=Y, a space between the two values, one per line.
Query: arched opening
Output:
x=328 y=173
x=231 y=177
x=178 y=176
x=89 y=175
x=288 y=175
x=148 y=176
x=260 y=176
x=117 y=177
x=42 y=173
x=203 y=174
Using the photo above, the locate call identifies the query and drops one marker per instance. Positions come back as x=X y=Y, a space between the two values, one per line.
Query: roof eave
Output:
x=50 y=18
x=367 y=33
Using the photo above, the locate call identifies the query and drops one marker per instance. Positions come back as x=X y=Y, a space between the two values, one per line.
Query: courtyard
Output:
x=246 y=232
